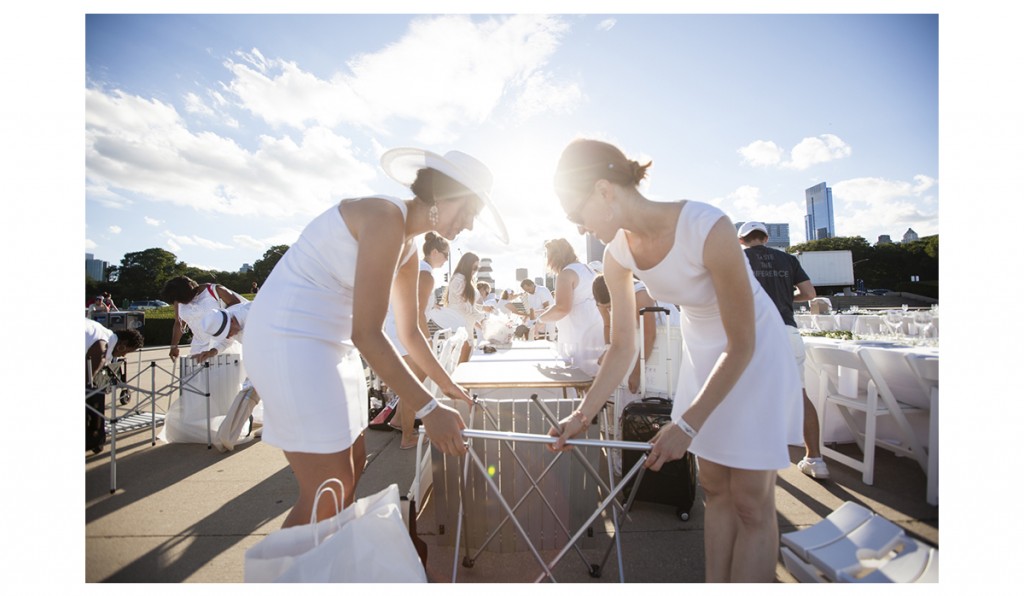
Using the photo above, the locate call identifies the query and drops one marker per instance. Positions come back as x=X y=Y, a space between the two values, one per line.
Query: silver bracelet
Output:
x=422 y=412
x=686 y=428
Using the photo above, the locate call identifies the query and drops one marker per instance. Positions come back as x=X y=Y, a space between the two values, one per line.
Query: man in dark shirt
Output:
x=780 y=272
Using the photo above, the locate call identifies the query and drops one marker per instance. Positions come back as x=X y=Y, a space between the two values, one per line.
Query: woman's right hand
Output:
x=444 y=429
x=174 y=352
x=568 y=427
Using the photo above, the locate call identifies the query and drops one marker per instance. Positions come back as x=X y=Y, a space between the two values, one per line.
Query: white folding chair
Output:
x=852 y=544
x=927 y=370
x=868 y=394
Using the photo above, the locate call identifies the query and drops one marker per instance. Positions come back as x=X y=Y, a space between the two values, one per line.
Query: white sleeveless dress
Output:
x=298 y=341
x=581 y=332
x=749 y=428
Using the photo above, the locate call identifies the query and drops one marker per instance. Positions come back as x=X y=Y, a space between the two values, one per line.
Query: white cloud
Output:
x=748 y=203
x=808 y=152
x=876 y=206
x=606 y=24
x=150 y=221
x=143 y=146
x=246 y=241
x=446 y=72
x=114 y=229
x=195 y=105
x=814 y=150
x=90 y=245
x=193 y=240
x=761 y=153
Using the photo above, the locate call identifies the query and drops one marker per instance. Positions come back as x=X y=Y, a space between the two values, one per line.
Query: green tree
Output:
x=142 y=275
x=264 y=265
x=887 y=266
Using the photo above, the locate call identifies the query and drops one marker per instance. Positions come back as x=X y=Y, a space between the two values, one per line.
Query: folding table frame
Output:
x=609 y=499
x=134 y=419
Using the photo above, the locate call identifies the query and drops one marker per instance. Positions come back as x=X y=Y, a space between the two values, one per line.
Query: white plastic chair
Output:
x=927 y=370
x=447 y=346
x=852 y=544
x=871 y=395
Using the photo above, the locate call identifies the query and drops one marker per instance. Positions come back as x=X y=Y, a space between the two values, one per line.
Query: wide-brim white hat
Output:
x=403 y=163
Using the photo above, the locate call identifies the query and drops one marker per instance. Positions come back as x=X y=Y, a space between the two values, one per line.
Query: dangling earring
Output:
x=433 y=216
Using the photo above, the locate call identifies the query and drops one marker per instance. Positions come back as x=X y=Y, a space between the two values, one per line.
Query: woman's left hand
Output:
x=456 y=392
x=670 y=444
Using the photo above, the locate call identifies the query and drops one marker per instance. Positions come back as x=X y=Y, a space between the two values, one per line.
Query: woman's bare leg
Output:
x=741 y=537
x=312 y=469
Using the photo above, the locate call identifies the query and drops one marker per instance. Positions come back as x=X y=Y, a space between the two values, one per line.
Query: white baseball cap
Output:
x=749 y=227
x=216 y=323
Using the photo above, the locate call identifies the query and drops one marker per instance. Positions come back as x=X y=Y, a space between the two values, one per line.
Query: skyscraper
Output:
x=819 y=223
x=95 y=268
x=484 y=273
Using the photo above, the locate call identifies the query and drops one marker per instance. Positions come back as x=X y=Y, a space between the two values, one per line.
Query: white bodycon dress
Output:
x=298 y=341
x=749 y=428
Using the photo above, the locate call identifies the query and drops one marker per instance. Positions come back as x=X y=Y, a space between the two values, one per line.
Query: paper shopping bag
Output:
x=365 y=543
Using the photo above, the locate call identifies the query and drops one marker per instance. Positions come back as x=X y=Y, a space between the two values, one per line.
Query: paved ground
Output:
x=185 y=513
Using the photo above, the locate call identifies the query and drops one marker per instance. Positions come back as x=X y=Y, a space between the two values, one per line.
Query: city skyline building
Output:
x=819 y=223
x=484 y=273
x=910 y=235
x=778 y=234
x=94 y=268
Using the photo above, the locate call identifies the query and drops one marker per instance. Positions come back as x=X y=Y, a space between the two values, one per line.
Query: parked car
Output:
x=147 y=304
x=879 y=292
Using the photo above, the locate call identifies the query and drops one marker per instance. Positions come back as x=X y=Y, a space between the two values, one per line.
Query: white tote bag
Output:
x=365 y=543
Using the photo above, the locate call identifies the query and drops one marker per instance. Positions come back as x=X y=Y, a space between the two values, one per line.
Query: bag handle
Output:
x=323 y=488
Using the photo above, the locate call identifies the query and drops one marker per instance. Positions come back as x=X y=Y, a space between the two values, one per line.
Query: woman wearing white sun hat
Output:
x=325 y=304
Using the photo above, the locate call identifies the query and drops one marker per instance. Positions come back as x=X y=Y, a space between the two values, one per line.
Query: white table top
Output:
x=499 y=374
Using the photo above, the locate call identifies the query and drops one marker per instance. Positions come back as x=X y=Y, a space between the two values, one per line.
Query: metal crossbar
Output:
x=610 y=499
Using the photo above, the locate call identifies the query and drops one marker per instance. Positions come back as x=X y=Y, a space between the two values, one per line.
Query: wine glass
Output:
x=893 y=320
x=922 y=325
x=905 y=307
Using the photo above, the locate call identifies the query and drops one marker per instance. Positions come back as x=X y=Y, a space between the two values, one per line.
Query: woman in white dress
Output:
x=325 y=303
x=574 y=312
x=460 y=297
x=736 y=380
x=192 y=301
x=435 y=254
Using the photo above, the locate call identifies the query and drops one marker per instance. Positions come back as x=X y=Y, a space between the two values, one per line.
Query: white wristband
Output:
x=686 y=428
x=422 y=412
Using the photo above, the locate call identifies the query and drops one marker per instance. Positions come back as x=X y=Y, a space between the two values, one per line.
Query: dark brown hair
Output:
x=431 y=186
x=433 y=241
x=600 y=290
x=180 y=289
x=465 y=267
x=585 y=161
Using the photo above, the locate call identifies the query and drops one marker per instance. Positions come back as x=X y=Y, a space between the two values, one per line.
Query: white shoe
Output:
x=814 y=467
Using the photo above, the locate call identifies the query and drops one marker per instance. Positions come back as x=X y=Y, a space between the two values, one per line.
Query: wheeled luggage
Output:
x=676 y=482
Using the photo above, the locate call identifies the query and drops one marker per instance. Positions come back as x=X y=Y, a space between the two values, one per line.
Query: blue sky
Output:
x=218 y=136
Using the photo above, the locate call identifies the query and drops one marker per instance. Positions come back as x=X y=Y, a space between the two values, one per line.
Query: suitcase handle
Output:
x=648 y=309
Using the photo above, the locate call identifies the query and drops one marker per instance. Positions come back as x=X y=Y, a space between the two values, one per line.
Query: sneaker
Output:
x=813 y=467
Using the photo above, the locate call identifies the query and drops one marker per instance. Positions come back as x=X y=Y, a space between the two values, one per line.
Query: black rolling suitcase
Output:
x=676 y=482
